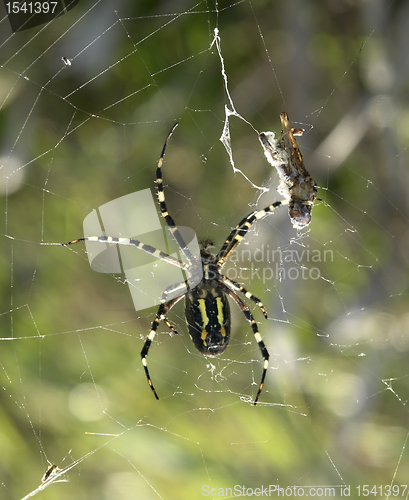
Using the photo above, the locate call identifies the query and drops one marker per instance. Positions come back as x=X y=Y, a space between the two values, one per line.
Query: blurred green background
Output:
x=334 y=407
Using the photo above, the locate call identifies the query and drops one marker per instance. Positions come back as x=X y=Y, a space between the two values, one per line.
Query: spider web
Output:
x=78 y=133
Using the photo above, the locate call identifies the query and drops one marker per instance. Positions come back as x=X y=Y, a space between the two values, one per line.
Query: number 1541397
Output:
x=31 y=7
x=387 y=490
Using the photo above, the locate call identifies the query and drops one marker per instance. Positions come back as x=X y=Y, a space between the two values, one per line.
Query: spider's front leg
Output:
x=162 y=201
x=240 y=231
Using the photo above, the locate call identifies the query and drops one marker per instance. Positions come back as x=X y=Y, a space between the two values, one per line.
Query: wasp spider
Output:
x=207 y=309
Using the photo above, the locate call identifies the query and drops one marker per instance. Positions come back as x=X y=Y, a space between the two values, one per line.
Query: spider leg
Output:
x=231 y=283
x=241 y=229
x=263 y=349
x=169 y=220
x=162 y=201
x=136 y=243
x=160 y=316
x=159 y=182
x=170 y=289
x=170 y=326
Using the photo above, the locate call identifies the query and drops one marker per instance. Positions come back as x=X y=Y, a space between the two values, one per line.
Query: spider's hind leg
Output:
x=163 y=310
x=263 y=349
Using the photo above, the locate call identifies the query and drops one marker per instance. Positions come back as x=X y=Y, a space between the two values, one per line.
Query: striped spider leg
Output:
x=232 y=241
x=296 y=183
x=207 y=309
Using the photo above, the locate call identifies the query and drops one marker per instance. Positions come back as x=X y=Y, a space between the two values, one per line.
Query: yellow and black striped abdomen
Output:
x=208 y=318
